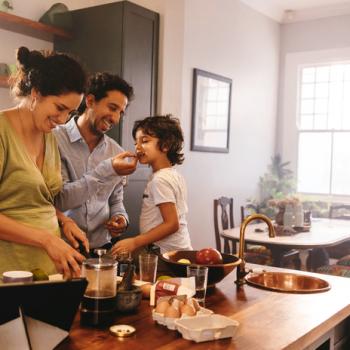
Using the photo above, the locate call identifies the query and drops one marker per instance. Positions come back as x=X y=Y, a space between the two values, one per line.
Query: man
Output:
x=93 y=164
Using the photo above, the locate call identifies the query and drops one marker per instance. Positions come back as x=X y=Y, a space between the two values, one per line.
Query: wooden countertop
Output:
x=268 y=320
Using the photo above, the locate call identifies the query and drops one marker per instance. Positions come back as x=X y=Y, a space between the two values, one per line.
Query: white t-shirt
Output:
x=166 y=186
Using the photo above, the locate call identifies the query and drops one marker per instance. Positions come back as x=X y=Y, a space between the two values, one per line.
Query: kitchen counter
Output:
x=268 y=320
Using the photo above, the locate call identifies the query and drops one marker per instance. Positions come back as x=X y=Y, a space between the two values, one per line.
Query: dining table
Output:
x=322 y=233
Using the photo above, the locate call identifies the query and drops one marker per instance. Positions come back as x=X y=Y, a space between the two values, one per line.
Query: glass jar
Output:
x=288 y=216
x=299 y=215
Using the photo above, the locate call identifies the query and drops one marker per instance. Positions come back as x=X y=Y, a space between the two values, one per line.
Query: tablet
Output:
x=38 y=315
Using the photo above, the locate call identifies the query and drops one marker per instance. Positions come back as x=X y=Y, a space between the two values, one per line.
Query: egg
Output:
x=188 y=310
x=162 y=306
x=146 y=290
x=176 y=303
x=194 y=303
x=172 y=312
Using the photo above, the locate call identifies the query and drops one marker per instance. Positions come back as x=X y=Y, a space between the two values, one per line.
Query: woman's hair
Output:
x=50 y=73
x=99 y=84
x=168 y=130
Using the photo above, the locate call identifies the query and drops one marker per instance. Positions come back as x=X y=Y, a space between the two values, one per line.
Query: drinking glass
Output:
x=148 y=267
x=200 y=274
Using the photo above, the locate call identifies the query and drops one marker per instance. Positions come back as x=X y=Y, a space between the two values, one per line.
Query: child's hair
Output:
x=168 y=130
x=50 y=73
x=99 y=84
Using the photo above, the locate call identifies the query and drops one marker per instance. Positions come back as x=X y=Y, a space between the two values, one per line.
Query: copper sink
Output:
x=287 y=282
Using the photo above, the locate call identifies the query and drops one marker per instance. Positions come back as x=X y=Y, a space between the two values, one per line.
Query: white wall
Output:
x=317 y=41
x=232 y=40
x=229 y=39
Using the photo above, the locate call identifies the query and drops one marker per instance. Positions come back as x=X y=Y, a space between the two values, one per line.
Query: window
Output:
x=323 y=124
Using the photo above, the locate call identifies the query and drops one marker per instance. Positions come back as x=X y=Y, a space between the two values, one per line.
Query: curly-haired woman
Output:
x=48 y=87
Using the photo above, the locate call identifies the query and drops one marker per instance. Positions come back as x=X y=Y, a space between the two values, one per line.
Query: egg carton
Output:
x=207 y=328
x=169 y=322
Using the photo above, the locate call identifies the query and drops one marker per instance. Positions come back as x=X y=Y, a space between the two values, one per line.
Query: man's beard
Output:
x=95 y=131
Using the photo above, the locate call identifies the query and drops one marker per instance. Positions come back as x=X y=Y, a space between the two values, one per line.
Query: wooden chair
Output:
x=290 y=258
x=226 y=221
x=341 y=212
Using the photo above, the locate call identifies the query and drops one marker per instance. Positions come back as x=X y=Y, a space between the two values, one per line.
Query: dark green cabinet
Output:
x=121 y=38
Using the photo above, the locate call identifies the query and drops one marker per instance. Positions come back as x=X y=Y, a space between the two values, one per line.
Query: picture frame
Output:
x=211 y=109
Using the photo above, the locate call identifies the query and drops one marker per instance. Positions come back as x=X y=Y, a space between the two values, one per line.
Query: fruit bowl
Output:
x=216 y=272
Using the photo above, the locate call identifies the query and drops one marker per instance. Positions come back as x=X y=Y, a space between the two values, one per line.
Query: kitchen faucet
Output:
x=241 y=271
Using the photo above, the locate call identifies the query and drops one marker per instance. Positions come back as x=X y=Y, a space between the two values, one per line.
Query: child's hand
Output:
x=127 y=245
x=116 y=225
x=121 y=166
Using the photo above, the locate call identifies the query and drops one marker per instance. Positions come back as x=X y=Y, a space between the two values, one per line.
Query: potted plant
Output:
x=277 y=183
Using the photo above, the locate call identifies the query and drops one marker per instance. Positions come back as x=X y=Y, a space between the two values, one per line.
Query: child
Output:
x=158 y=142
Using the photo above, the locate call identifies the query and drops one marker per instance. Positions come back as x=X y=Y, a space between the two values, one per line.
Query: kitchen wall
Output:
x=230 y=39
x=317 y=41
x=226 y=38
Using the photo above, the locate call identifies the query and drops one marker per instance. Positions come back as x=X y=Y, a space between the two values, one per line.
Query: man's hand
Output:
x=116 y=225
x=121 y=166
x=74 y=234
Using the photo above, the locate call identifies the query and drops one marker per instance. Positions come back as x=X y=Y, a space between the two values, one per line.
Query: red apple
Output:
x=208 y=256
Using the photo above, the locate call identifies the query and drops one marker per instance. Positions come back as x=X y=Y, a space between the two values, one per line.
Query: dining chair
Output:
x=341 y=212
x=223 y=221
x=290 y=258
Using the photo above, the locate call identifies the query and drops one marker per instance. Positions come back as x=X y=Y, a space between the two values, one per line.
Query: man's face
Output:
x=106 y=113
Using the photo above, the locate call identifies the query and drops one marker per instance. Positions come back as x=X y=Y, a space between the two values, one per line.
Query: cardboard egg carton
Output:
x=169 y=322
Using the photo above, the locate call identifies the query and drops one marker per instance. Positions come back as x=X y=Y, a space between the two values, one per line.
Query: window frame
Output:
x=287 y=140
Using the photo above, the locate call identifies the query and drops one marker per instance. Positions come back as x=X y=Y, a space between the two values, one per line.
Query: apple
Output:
x=208 y=256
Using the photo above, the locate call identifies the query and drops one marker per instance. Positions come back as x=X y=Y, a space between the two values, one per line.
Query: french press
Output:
x=99 y=301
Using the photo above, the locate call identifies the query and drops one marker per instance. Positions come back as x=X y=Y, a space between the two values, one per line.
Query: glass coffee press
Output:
x=99 y=301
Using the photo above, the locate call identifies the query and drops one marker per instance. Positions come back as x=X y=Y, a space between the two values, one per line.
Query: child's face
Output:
x=148 y=152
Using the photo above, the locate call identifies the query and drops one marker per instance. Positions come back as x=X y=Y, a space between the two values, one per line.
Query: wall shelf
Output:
x=32 y=28
x=4 y=81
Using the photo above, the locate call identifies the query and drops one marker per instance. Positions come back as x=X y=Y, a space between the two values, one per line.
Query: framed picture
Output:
x=211 y=103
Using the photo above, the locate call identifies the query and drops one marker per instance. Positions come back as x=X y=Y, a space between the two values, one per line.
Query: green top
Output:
x=26 y=195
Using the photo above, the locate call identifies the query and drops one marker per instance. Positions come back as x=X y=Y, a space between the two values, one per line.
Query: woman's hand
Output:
x=65 y=258
x=116 y=225
x=127 y=245
x=74 y=234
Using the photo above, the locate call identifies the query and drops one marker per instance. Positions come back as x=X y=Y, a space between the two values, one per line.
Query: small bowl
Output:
x=128 y=300
x=216 y=272
x=17 y=276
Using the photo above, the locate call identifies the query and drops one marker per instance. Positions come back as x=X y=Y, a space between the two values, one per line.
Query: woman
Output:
x=48 y=87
